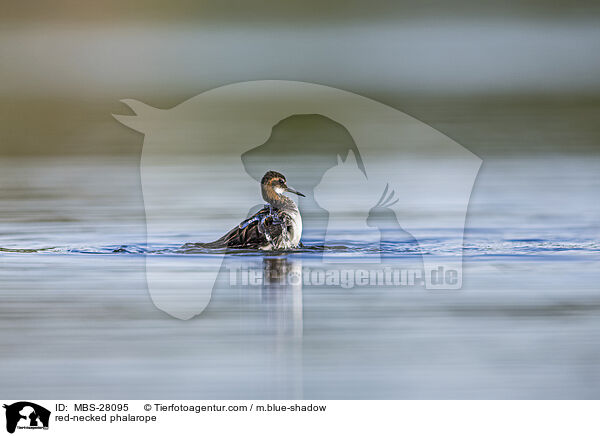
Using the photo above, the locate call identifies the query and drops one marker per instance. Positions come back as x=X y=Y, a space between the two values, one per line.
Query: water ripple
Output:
x=519 y=248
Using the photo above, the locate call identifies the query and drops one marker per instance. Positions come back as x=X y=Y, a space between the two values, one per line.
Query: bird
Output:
x=277 y=226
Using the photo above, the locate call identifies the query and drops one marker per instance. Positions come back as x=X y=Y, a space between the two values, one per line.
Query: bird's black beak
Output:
x=293 y=191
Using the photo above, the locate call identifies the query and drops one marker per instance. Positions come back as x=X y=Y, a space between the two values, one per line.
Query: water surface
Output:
x=77 y=320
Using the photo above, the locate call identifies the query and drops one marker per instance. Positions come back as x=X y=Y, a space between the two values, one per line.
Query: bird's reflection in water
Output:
x=282 y=295
x=262 y=299
x=282 y=301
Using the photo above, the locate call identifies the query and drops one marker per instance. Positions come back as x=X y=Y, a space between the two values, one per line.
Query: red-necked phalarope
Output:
x=277 y=226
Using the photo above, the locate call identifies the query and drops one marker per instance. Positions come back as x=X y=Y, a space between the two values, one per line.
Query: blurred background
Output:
x=497 y=77
x=515 y=82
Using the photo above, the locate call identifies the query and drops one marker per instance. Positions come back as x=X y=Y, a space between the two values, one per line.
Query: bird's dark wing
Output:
x=251 y=233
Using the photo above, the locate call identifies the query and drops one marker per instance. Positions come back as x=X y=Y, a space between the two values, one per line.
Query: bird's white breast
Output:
x=296 y=232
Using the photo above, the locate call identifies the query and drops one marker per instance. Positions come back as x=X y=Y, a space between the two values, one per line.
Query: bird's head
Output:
x=273 y=185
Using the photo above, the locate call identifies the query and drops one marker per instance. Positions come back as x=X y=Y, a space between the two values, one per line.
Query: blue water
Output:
x=75 y=309
x=541 y=248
